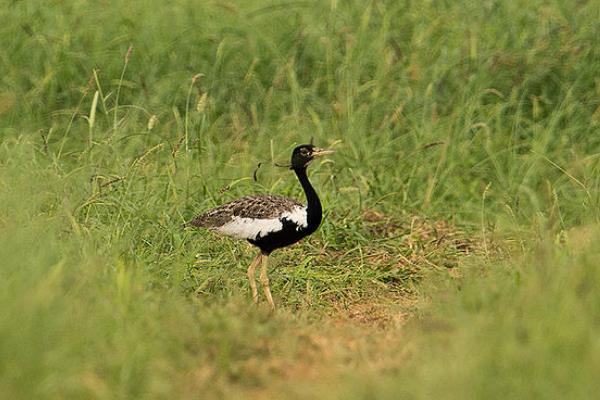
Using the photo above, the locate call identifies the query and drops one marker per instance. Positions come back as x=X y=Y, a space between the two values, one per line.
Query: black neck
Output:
x=314 y=212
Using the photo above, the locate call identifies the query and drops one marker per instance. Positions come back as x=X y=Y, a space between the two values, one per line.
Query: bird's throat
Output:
x=314 y=212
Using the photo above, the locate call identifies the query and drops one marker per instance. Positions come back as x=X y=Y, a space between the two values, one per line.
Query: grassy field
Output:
x=456 y=258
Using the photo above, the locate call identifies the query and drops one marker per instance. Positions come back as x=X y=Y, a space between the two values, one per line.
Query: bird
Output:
x=269 y=222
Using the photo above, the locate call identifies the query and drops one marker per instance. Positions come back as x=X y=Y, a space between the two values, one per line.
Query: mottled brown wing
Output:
x=257 y=207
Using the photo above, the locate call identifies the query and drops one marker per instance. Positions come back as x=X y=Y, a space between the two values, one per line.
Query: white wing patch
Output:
x=253 y=228
x=297 y=216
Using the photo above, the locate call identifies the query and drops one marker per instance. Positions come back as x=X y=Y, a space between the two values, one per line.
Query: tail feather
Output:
x=194 y=223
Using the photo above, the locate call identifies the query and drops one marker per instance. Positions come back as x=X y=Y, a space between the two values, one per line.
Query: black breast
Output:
x=288 y=235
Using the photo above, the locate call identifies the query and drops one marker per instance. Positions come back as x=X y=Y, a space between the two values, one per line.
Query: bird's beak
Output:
x=317 y=152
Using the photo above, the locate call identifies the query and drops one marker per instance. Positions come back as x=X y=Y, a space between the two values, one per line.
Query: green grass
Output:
x=456 y=258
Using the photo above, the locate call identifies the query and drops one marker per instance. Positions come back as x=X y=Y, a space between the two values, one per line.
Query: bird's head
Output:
x=304 y=154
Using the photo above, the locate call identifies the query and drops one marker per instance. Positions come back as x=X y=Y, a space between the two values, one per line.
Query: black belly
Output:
x=282 y=238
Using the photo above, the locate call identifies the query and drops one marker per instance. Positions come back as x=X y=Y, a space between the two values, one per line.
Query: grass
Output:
x=456 y=258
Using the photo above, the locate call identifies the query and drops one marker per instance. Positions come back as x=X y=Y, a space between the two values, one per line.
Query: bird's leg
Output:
x=252 y=278
x=264 y=279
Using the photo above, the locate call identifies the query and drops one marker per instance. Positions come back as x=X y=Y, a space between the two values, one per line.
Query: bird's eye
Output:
x=305 y=152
